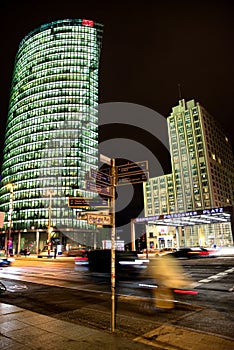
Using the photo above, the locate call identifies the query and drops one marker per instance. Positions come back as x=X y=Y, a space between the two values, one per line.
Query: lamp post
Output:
x=50 y=228
x=9 y=186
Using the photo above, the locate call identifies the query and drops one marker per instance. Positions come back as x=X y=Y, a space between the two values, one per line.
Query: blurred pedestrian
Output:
x=55 y=252
x=168 y=274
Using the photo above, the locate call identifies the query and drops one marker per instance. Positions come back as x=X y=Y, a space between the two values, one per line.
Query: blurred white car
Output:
x=226 y=251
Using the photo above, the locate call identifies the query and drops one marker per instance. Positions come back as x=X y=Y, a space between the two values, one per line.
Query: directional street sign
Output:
x=80 y=202
x=105 y=159
x=126 y=169
x=98 y=219
x=133 y=178
x=100 y=176
x=83 y=215
x=98 y=188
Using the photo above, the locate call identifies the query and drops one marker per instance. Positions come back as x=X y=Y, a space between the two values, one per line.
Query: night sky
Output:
x=149 y=47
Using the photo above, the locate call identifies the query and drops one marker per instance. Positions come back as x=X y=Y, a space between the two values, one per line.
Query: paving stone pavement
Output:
x=22 y=329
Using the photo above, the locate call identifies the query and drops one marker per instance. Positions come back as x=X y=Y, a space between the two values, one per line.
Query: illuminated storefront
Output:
x=202 y=177
x=51 y=139
x=207 y=227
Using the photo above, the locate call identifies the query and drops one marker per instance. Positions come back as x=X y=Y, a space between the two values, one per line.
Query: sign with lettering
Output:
x=98 y=188
x=100 y=176
x=80 y=202
x=133 y=178
x=126 y=169
x=97 y=219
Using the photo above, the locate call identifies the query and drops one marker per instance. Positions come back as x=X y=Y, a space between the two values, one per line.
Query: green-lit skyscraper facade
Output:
x=51 y=137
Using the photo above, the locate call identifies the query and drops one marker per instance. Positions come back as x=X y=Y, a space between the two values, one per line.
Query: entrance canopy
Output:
x=190 y=218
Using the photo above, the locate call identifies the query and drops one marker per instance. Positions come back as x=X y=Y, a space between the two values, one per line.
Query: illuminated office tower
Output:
x=202 y=172
x=51 y=139
x=202 y=159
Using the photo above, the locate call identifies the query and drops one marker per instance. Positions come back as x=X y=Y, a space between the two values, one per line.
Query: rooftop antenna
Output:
x=179 y=90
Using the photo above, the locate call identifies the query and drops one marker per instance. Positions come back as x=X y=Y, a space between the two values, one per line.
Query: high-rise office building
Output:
x=51 y=139
x=202 y=176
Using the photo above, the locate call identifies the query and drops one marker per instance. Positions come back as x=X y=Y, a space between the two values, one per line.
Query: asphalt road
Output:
x=59 y=289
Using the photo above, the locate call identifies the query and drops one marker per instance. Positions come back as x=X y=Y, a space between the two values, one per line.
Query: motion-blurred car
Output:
x=165 y=251
x=226 y=251
x=81 y=257
x=195 y=252
x=5 y=261
x=127 y=263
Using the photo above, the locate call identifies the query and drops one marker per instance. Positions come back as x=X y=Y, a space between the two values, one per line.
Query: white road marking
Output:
x=217 y=276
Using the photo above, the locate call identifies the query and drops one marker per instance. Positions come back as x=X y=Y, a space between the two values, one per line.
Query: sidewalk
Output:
x=21 y=329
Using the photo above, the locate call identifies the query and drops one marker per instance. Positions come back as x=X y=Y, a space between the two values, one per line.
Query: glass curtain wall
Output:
x=51 y=139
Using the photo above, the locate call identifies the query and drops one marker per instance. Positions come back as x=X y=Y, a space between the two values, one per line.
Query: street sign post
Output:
x=80 y=202
x=104 y=184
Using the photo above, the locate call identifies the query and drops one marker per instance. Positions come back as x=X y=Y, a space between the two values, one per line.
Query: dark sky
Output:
x=148 y=48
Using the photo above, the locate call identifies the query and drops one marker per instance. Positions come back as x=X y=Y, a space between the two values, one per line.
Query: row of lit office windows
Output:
x=65 y=74
x=44 y=32
x=14 y=174
x=60 y=113
x=61 y=72
x=55 y=107
x=37 y=101
x=90 y=119
x=77 y=123
x=38 y=223
x=34 y=52
x=17 y=133
x=62 y=86
x=71 y=165
x=53 y=156
x=66 y=65
x=61 y=81
x=29 y=158
x=42 y=136
x=32 y=80
x=88 y=45
x=72 y=79
x=52 y=92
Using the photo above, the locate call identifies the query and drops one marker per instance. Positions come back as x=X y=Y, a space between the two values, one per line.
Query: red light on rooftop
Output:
x=87 y=22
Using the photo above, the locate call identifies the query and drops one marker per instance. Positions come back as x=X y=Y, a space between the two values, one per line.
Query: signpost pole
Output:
x=133 y=235
x=113 y=173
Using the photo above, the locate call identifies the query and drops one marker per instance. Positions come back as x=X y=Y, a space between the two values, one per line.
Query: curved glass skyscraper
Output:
x=51 y=137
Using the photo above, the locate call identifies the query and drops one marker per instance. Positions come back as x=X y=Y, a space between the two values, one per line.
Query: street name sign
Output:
x=97 y=219
x=133 y=178
x=105 y=159
x=126 y=169
x=80 y=202
x=98 y=188
x=100 y=177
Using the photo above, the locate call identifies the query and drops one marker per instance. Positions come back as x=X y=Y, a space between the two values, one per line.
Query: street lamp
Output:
x=10 y=187
x=50 y=228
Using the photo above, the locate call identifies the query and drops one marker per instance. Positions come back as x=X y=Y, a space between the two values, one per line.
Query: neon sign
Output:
x=180 y=215
x=87 y=22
